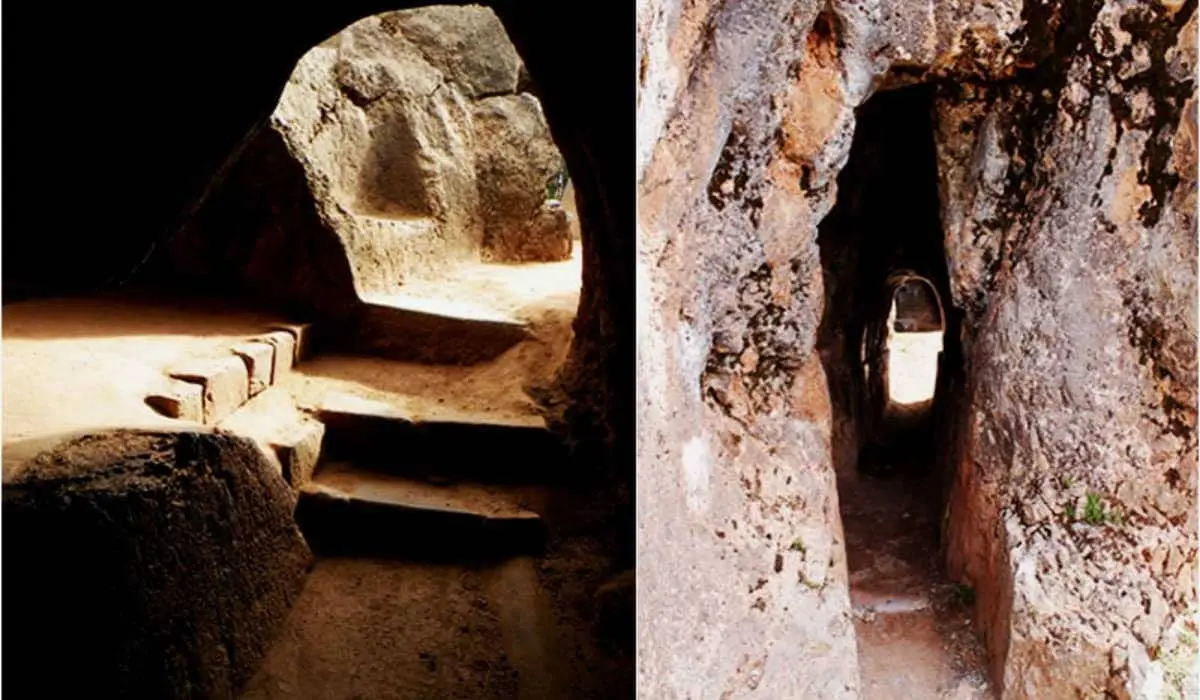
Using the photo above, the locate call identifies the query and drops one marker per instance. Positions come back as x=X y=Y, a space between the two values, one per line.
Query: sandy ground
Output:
x=528 y=292
x=382 y=629
x=915 y=637
x=342 y=639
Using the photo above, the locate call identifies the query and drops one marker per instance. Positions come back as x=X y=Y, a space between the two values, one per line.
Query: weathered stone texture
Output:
x=259 y=358
x=515 y=159
x=1075 y=233
x=153 y=564
x=225 y=380
x=1066 y=137
x=397 y=145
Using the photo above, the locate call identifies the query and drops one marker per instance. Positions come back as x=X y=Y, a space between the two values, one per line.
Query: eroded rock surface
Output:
x=160 y=564
x=1066 y=137
x=398 y=149
x=1073 y=230
x=515 y=160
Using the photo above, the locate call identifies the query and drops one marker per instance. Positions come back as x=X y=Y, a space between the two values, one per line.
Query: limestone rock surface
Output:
x=398 y=149
x=515 y=161
x=1066 y=139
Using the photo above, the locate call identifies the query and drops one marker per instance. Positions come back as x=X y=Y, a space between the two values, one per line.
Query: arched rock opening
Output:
x=187 y=128
x=882 y=239
x=227 y=64
x=909 y=340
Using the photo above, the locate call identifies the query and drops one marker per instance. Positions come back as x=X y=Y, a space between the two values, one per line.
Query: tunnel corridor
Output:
x=889 y=344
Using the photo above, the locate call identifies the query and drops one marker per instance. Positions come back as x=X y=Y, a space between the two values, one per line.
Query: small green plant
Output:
x=1069 y=512
x=1068 y=481
x=798 y=546
x=964 y=594
x=556 y=186
x=1093 y=510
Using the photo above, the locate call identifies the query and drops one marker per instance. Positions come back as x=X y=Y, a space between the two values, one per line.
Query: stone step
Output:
x=515 y=452
x=290 y=439
x=347 y=510
x=208 y=389
x=426 y=336
x=470 y=312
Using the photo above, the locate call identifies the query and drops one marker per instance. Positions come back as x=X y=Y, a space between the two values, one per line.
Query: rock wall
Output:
x=1071 y=235
x=405 y=145
x=514 y=161
x=733 y=439
x=1066 y=157
x=153 y=564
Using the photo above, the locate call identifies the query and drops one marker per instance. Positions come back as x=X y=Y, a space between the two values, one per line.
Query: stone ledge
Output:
x=207 y=390
x=183 y=400
x=259 y=357
x=298 y=454
x=225 y=380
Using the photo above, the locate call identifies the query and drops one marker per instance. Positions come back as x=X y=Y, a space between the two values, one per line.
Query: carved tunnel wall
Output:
x=1065 y=145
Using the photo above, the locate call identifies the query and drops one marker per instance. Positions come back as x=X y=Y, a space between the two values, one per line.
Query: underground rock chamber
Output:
x=431 y=505
x=889 y=345
x=415 y=241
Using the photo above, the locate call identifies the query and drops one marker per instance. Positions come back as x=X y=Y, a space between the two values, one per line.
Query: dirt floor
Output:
x=915 y=635
x=353 y=634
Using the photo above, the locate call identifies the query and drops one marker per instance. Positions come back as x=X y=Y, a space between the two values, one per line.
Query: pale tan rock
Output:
x=260 y=364
x=393 y=145
x=182 y=399
x=301 y=334
x=549 y=236
x=299 y=450
x=288 y=438
x=1080 y=302
x=515 y=161
x=284 y=356
x=225 y=381
x=468 y=44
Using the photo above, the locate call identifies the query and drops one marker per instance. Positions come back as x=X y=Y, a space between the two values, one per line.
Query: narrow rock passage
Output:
x=915 y=636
